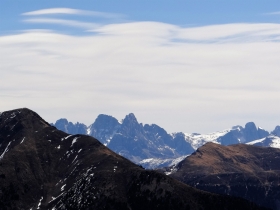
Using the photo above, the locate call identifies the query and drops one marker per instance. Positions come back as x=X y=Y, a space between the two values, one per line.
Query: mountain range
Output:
x=131 y=139
x=44 y=168
x=152 y=147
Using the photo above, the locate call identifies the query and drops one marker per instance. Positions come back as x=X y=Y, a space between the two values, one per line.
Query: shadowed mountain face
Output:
x=240 y=170
x=44 y=168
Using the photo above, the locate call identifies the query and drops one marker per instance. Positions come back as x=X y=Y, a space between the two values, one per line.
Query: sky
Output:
x=192 y=66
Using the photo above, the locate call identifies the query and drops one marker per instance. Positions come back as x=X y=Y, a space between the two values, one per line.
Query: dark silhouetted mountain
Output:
x=44 y=168
x=241 y=170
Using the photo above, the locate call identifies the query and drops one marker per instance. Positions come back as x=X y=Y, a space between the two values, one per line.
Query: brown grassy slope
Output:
x=241 y=170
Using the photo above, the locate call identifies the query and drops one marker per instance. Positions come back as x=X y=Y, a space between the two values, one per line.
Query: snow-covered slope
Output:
x=269 y=141
x=197 y=140
x=153 y=163
x=235 y=135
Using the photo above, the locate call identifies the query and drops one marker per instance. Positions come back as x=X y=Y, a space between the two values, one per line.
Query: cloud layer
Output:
x=69 y=11
x=196 y=79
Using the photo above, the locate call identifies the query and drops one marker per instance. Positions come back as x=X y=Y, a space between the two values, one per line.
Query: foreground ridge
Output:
x=241 y=170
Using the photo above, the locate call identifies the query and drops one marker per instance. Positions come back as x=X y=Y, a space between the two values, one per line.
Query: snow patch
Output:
x=13 y=115
x=269 y=141
x=197 y=140
x=66 y=137
x=5 y=151
x=39 y=204
x=88 y=131
x=22 y=140
x=62 y=188
x=153 y=163
x=75 y=158
x=74 y=140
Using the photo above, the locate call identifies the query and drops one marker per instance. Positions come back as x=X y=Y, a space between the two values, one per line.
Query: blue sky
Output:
x=183 y=12
x=191 y=66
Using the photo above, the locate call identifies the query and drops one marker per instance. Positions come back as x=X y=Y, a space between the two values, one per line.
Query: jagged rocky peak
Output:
x=105 y=122
x=252 y=132
x=130 y=126
x=130 y=119
x=158 y=134
x=238 y=134
x=155 y=129
x=62 y=124
x=103 y=128
x=71 y=128
x=276 y=131
x=250 y=126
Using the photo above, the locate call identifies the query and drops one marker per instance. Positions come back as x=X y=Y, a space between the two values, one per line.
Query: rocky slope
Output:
x=240 y=170
x=44 y=168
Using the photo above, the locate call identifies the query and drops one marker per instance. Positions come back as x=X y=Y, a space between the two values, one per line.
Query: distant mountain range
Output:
x=152 y=147
x=44 y=168
x=131 y=139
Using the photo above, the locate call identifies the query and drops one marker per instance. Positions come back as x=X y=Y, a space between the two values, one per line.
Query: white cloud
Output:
x=72 y=23
x=148 y=68
x=240 y=32
x=232 y=32
x=69 y=11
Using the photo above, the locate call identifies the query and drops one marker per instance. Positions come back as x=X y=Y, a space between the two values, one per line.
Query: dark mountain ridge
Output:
x=44 y=168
